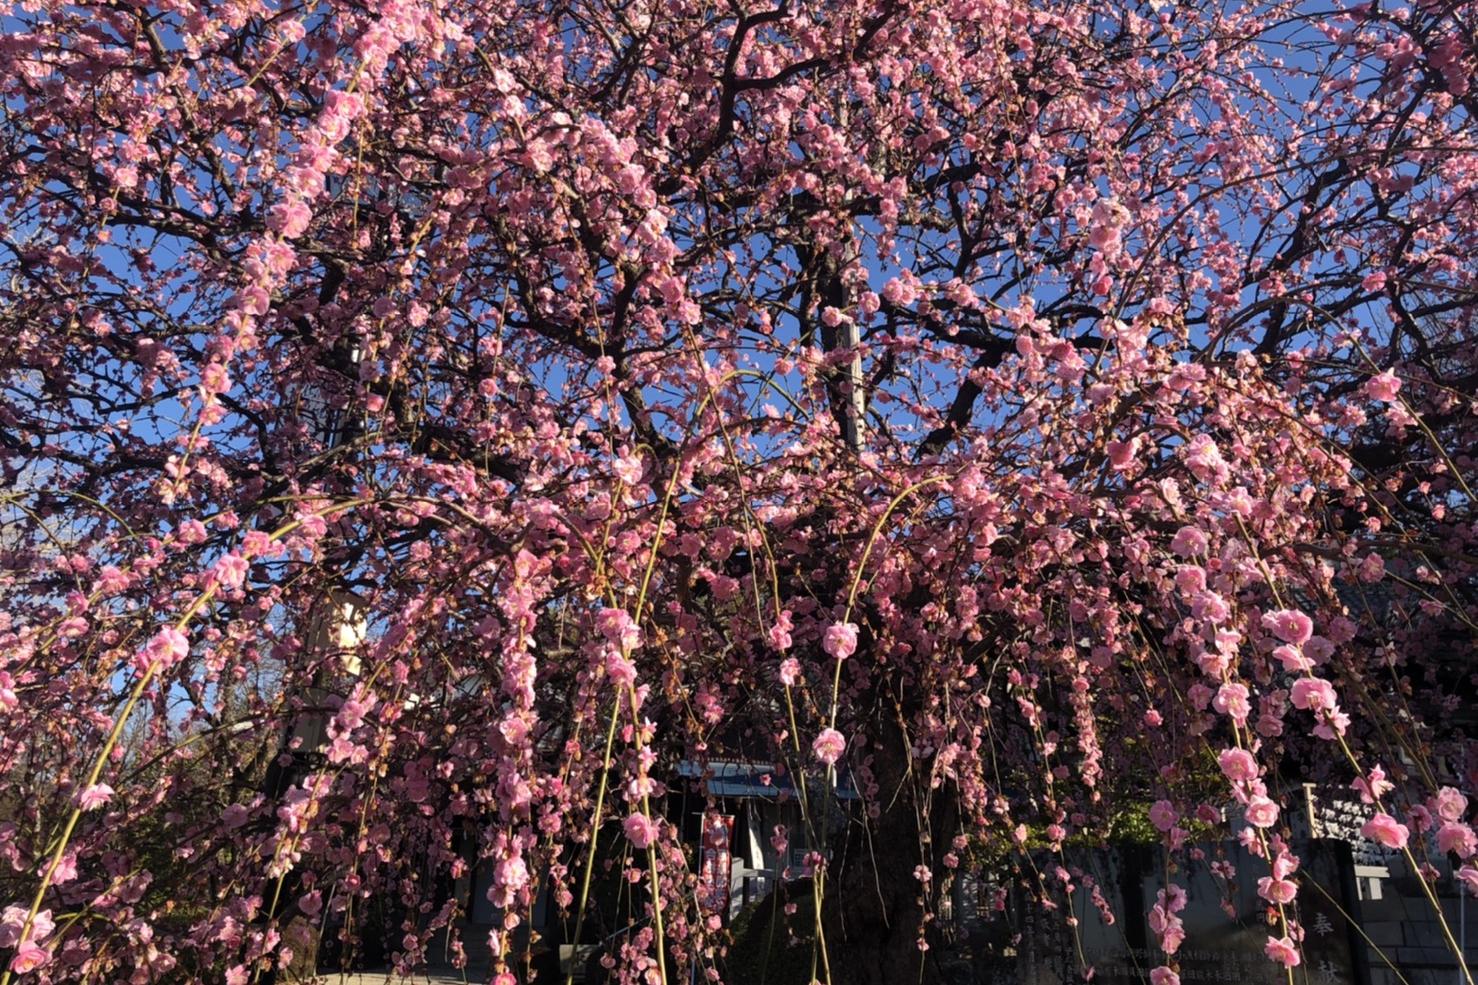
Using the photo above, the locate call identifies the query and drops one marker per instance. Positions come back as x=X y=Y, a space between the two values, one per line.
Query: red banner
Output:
x=716 y=863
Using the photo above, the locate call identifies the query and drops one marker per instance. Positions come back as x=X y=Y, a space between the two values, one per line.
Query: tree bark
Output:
x=874 y=910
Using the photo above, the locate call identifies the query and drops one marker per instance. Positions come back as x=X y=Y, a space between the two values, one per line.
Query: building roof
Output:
x=745 y=779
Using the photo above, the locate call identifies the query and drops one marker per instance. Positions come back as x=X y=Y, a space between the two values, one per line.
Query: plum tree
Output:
x=429 y=423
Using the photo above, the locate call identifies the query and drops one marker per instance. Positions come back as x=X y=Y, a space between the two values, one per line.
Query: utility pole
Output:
x=856 y=395
x=336 y=627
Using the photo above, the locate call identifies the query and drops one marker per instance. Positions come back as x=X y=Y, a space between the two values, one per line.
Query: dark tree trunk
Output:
x=873 y=911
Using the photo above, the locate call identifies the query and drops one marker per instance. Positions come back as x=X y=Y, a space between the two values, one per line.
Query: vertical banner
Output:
x=716 y=863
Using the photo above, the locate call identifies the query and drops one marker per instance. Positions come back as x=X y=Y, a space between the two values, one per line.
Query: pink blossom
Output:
x=1385 y=830
x=94 y=796
x=1277 y=890
x=257 y=543
x=1457 y=839
x=1373 y=786
x=619 y=669
x=352 y=711
x=1261 y=812
x=1331 y=724
x=1106 y=224
x=617 y=626
x=230 y=571
x=168 y=647
x=290 y=218
x=1237 y=765
x=111 y=580
x=1293 y=659
x=1449 y=804
x=628 y=468
x=900 y=291
x=1163 y=976
x=840 y=640
x=1214 y=664
x=1290 y=625
x=790 y=671
x=66 y=869
x=1122 y=453
x=538 y=156
x=1313 y=694
x=509 y=876
x=779 y=634
x=1231 y=700
x=1210 y=607
x=14 y=919
x=311 y=903
x=214 y=379
x=29 y=957
x=1190 y=579
x=1163 y=815
x=1283 y=951
x=1163 y=920
x=1204 y=459
x=1189 y=542
x=828 y=746
x=1383 y=387
x=193 y=532
x=640 y=830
